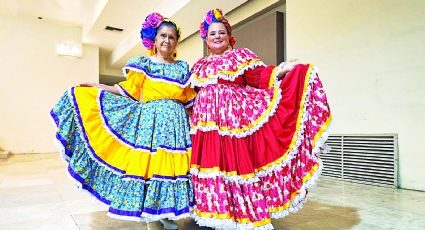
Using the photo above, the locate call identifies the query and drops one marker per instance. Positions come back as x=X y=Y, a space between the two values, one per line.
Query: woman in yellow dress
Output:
x=134 y=156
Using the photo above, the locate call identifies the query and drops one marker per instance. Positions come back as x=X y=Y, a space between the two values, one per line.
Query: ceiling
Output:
x=94 y=15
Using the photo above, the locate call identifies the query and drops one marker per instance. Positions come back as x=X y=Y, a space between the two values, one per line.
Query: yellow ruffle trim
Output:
x=254 y=123
x=293 y=195
x=241 y=66
x=293 y=141
x=227 y=216
x=114 y=153
x=274 y=209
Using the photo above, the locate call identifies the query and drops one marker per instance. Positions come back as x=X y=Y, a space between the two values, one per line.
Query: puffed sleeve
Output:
x=190 y=95
x=132 y=87
x=261 y=77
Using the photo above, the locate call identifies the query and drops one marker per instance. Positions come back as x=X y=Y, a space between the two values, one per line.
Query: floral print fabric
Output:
x=232 y=109
x=163 y=72
x=256 y=151
x=228 y=66
x=132 y=156
x=164 y=126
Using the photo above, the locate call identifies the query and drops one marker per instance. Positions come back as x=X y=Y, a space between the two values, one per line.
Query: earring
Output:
x=174 y=54
x=208 y=48
x=229 y=47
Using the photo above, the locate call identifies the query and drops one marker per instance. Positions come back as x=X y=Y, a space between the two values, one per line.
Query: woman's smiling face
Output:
x=217 y=38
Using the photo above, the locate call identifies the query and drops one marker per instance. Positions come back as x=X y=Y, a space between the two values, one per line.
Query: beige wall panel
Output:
x=33 y=78
x=264 y=37
x=191 y=49
x=371 y=56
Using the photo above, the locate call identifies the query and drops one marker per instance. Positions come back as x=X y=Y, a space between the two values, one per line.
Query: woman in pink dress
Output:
x=255 y=150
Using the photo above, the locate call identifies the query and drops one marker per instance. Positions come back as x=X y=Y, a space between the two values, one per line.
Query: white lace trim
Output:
x=84 y=140
x=53 y=121
x=80 y=188
x=120 y=90
x=227 y=223
x=235 y=179
x=298 y=202
x=229 y=77
x=190 y=104
x=61 y=148
x=155 y=79
x=59 y=144
x=278 y=71
x=106 y=167
x=129 y=218
x=170 y=216
x=299 y=138
x=248 y=132
x=319 y=146
x=155 y=179
x=146 y=217
x=126 y=144
x=260 y=123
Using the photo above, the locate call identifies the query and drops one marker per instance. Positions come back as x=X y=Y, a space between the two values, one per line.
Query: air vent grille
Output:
x=114 y=29
x=371 y=159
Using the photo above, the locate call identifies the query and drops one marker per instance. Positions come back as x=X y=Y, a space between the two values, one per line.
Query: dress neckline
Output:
x=155 y=62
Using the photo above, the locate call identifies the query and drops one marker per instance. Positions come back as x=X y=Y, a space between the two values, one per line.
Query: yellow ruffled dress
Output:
x=132 y=156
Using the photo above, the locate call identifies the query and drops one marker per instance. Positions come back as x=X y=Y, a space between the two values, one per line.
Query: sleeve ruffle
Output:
x=132 y=86
x=259 y=77
x=190 y=94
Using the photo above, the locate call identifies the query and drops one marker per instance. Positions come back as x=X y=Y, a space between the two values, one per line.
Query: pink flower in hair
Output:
x=154 y=20
x=208 y=19
x=148 y=43
x=145 y=25
x=203 y=33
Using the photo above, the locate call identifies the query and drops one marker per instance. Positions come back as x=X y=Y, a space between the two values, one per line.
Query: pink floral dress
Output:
x=255 y=139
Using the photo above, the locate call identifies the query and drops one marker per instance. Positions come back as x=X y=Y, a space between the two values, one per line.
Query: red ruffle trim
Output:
x=269 y=143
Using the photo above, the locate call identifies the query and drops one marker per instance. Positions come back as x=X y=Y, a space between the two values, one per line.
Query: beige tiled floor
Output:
x=36 y=193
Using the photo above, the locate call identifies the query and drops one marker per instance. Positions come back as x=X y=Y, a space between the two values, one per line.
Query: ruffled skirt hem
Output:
x=130 y=190
x=245 y=181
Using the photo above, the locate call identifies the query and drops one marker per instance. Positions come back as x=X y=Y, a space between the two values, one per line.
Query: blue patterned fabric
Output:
x=166 y=120
x=149 y=126
x=172 y=73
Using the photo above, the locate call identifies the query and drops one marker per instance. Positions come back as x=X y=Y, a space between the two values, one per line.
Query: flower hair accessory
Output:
x=149 y=28
x=215 y=16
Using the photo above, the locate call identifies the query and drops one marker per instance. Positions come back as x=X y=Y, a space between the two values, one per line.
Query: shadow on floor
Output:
x=100 y=221
x=318 y=216
x=313 y=216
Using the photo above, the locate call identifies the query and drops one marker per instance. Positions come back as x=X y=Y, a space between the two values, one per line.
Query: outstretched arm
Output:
x=286 y=69
x=262 y=77
x=108 y=88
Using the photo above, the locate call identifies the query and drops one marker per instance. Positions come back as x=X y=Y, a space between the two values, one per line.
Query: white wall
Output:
x=105 y=69
x=370 y=53
x=371 y=56
x=33 y=77
x=191 y=48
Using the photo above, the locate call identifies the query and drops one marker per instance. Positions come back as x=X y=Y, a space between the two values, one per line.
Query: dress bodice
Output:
x=149 y=80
